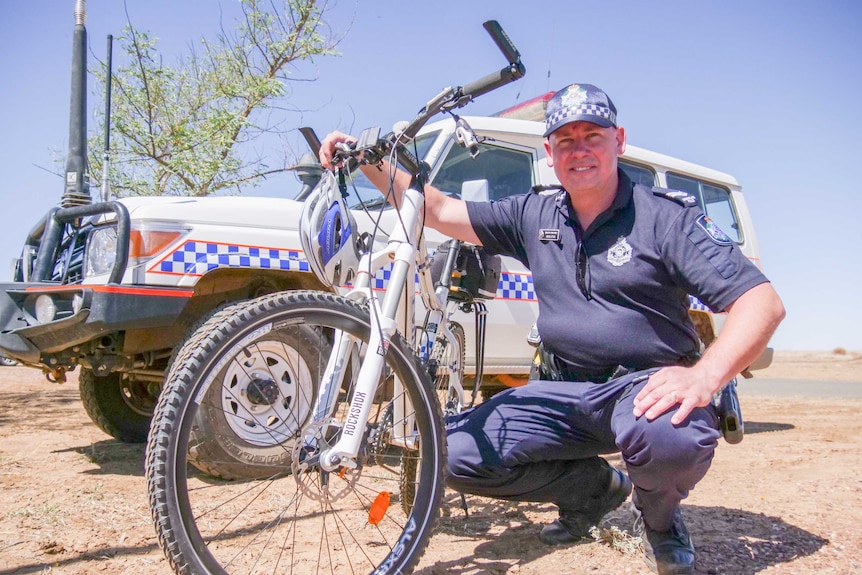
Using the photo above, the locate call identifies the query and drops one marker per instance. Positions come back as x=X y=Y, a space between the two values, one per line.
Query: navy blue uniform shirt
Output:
x=639 y=260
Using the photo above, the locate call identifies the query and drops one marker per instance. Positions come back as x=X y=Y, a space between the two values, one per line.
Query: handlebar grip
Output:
x=502 y=40
x=510 y=73
x=311 y=139
x=314 y=143
x=493 y=81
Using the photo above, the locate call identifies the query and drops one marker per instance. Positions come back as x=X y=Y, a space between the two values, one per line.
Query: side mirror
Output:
x=308 y=170
x=475 y=190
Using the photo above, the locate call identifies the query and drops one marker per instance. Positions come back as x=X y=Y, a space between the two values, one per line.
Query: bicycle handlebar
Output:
x=452 y=98
x=510 y=73
x=448 y=99
x=504 y=43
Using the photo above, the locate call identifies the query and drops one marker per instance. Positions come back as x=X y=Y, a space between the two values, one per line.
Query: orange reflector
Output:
x=145 y=243
x=378 y=508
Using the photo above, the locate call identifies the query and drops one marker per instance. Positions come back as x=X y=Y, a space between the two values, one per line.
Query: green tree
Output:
x=180 y=130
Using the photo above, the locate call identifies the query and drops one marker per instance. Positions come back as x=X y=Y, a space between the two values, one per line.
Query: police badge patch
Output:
x=620 y=252
x=713 y=231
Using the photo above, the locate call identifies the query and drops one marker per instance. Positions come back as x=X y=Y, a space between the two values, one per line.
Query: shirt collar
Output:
x=622 y=199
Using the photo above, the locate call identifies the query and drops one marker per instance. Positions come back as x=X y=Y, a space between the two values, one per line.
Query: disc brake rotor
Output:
x=314 y=482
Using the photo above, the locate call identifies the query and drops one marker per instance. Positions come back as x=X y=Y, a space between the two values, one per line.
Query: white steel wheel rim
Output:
x=278 y=366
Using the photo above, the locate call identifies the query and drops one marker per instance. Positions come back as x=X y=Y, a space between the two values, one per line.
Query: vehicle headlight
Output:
x=101 y=251
x=145 y=241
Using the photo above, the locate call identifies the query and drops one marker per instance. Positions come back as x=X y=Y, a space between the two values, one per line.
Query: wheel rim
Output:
x=262 y=397
x=136 y=395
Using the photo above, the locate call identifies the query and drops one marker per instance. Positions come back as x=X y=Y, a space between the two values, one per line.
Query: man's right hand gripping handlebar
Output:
x=329 y=147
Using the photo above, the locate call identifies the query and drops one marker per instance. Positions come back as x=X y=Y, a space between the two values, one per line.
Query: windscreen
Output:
x=362 y=193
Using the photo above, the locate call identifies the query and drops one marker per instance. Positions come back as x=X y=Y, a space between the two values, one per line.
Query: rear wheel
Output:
x=451 y=400
x=295 y=517
x=448 y=358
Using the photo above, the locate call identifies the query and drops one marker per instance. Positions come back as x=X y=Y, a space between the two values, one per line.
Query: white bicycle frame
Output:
x=407 y=252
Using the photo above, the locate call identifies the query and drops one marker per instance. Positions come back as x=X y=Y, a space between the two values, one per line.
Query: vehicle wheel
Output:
x=256 y=403
x=214 y=526
x=119 y=407
x=7 y=361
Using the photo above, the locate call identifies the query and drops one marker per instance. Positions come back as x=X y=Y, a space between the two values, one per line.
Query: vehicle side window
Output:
x=714 y=201
x=508 y=171
x=637 y=173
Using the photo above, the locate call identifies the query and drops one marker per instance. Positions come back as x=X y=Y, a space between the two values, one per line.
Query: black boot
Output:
x=668 y=552
x=574 y=525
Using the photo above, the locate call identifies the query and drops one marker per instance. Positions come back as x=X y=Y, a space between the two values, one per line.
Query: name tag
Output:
x=549 y=235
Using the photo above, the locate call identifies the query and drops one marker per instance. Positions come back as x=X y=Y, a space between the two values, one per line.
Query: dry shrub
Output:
x=618 y=539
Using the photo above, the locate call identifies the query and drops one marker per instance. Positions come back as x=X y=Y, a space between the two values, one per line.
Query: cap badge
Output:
x=620 y=252
x=573 y=97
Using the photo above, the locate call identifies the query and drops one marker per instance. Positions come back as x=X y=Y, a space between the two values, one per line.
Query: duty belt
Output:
x=555 y=368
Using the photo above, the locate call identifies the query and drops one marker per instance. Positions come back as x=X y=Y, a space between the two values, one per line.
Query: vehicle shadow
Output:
x=91 y=560
x=113 y=457
x=727 y=540
x=55 y=404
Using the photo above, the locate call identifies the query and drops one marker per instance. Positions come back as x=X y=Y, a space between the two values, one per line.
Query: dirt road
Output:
x=787 y=500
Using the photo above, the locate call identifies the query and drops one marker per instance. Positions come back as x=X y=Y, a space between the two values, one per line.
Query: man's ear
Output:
x=621 y=140
x=548 y=156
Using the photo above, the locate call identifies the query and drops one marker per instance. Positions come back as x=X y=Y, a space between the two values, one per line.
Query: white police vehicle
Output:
x=112 y=288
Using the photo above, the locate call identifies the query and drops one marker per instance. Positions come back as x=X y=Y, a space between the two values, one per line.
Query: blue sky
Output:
x=767 y=91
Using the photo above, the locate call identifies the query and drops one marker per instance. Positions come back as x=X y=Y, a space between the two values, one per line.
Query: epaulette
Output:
x=682 y=198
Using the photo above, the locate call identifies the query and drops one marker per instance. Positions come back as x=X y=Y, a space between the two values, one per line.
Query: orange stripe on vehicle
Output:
x=123 y=290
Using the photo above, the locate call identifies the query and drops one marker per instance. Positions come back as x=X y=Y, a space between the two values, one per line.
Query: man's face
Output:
x=584 y=155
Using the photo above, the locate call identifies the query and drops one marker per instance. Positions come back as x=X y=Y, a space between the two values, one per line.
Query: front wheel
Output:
x=289 y=515
x=257 y=403
x=119 y=406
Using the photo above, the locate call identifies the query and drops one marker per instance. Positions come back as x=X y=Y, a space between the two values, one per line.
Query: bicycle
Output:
x=345 y=384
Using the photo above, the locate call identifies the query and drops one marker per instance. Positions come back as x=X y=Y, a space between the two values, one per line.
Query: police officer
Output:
x=613 y=264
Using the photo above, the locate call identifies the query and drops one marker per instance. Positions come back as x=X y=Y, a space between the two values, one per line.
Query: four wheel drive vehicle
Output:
x=130 y=278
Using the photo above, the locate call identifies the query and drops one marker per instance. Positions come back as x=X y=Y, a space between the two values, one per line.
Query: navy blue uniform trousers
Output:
x=541 y=443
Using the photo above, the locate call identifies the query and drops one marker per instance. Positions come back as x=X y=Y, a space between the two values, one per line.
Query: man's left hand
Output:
x=687 y=387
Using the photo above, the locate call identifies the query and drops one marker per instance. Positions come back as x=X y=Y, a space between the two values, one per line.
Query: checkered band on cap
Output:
x=560 y=116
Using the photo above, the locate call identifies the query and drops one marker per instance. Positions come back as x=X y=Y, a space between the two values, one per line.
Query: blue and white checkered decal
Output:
x=511 y=286
x=696 y=304
x=581 y=110
x=197 y=258
x=516 y=286
x=381 y=278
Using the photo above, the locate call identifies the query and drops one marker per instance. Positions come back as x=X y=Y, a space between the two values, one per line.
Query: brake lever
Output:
x=465 y=136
